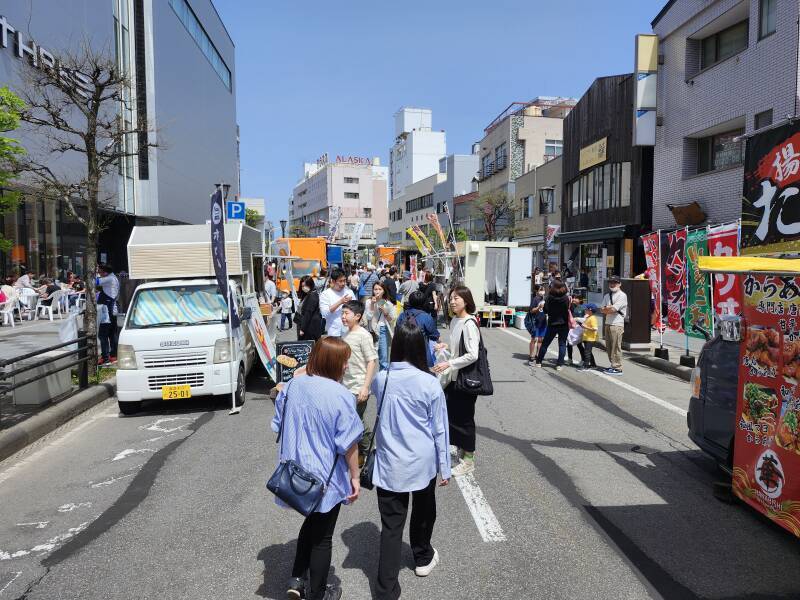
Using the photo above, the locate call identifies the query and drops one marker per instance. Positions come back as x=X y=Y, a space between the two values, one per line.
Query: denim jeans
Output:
x=562 y=331
x=383 y=349
x=284 y=318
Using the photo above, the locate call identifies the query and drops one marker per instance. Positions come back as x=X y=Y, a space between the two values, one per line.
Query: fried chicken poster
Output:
x=766 y=459
x=675 y=279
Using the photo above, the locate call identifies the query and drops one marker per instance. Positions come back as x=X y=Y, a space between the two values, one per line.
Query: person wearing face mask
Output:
x=536 y=323
x=308 y=316
x=615 y=306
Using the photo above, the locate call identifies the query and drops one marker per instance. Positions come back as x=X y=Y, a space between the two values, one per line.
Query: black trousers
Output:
x=393 y=507
x=461 y=414
x=314 y=551
x=580 y=350
x=107 y=332
x=588 y=357
x=562 y=331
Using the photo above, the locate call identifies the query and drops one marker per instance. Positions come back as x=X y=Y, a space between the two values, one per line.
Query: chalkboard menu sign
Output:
x=299 y=350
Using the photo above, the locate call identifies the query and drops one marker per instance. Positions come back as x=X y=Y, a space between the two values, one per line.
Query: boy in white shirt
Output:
x=287 y=308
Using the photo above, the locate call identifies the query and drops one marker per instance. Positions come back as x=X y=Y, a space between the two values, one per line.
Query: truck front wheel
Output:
x=129 y=408
x=241 y=390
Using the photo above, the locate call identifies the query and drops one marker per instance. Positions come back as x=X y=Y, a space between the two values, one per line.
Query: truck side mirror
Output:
x=247 y=313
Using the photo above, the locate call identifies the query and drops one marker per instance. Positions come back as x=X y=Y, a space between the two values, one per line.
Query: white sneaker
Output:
x=465 y=467
x=426 y=570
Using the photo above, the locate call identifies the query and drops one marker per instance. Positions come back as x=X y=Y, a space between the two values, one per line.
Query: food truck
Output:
x=175 y=341
x=499 y=275
x=310 y=257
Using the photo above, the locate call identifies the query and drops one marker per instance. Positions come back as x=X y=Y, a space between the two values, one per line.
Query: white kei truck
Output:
x=175 y=342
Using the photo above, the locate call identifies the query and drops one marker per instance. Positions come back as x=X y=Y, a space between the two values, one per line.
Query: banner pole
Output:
x=234 y=408
x=685 y=289
x=660 y=297
x=713 y=311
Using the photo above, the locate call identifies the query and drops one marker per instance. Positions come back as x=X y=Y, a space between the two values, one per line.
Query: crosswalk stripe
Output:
x=483 y=515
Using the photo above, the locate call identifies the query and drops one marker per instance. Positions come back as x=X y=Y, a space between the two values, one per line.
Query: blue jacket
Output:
x=428 y=326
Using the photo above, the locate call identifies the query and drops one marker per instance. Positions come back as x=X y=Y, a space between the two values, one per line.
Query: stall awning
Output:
x=593 y=235
x=749 y=264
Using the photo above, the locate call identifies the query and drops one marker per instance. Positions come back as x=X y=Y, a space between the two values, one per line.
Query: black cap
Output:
x=613 y=279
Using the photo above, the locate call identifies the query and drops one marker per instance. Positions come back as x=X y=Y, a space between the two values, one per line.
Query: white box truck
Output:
x=174 y=343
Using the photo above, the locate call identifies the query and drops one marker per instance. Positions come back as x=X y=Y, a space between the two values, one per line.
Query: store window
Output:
x=720 y=151
x=724 y=44
x=767 y=17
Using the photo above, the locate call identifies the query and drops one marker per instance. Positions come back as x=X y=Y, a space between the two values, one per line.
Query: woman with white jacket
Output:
x=461 y=405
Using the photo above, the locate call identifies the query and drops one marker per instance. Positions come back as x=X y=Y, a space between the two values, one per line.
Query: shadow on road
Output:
x=278 y=560
x=688 y=546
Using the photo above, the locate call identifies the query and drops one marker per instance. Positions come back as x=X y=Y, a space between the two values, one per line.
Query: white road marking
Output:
x=488 y=525
x=37 y=524
x=110 y=481
x=64 y=508
x=12 y=580
x=622 y=384
x=129 y=451
x=157 y=425
x=47 y=546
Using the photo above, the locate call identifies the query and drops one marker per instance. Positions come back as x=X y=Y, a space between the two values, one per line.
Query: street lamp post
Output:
x=283 y=227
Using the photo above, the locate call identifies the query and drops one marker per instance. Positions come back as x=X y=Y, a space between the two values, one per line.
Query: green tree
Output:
x=11 y=108
x=299 y=231
x=252 y=218
x=461 y=235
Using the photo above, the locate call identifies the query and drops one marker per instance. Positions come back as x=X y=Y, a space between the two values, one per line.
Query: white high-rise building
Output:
x=417 y=149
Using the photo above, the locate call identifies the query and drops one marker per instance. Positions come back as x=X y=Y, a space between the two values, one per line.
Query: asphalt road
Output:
x=586 y=487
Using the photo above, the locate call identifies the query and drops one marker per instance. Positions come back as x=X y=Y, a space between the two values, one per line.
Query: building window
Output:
x=767 y=10
x=553 y=148
x=425 y=201
x=486 y=166
x=719 y=151
x=351 y=195
x=195 y=29
x=527 y=207
x=606 y=186
x=367 y=213
x=719 y=46
x=763 y=119
x=500 y=155
x=351 y=179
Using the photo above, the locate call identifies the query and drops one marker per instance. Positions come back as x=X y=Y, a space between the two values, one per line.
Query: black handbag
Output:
x=369 y=464
x=292 y=483
x=475 y=378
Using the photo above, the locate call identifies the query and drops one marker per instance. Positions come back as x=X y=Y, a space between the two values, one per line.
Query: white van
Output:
x=174 y=342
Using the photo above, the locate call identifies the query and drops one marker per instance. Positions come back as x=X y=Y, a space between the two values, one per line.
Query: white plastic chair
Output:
x=80 y=303
x=7 y=309
x=53 y=307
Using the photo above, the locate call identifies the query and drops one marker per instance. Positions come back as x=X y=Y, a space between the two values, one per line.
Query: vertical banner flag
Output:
x=412 y=263
x=358 y=229
x=262 y=341
x=770 y=202
x=414 y=236
x=766 y=456
x=727 y=290
x=652 y=250
x=425 y=241
x=433 y=219
x=218 y=253
x=333 y=226
x=698 y=296
x=550 y=237
x=675 y=279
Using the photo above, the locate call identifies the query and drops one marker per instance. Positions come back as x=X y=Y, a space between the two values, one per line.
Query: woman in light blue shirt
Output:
x=411 y=448
x=320 y=427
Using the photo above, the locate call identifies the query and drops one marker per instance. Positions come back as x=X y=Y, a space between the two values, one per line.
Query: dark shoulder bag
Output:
x=292 y=483
x=475 y=378
x=369 y=464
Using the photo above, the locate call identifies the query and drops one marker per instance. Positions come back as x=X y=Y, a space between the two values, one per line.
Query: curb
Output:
x=15 y=438
x=659 y=364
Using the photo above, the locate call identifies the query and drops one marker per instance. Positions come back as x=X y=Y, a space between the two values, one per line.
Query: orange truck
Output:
x=387 y=254
x=310 y=255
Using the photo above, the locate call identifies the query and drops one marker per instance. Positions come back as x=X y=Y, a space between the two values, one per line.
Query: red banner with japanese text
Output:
x=727 y=289
x=675 y=279
x=766 y=457
x=652 y=255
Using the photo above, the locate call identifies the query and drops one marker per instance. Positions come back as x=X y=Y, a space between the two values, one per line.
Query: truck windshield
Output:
x=301 y=268
x=177 y=306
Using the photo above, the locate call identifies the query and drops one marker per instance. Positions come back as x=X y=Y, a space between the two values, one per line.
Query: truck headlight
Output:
x=126 y=357
x=222 y=351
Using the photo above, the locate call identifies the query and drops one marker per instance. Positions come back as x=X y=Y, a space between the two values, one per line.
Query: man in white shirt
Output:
x=615 y=307
x=270 y=291
x=331 y=302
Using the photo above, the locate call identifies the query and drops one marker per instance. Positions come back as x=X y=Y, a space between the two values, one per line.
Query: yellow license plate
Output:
x=175 y=392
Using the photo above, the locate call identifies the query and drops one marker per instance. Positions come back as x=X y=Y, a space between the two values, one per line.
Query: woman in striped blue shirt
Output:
x=320 y=426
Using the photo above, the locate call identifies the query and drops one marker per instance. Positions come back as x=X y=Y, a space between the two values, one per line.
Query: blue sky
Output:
x=318 y=76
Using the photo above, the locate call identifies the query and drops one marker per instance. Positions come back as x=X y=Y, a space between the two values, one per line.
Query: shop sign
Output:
x=593 y=154
x=766 y=457
x=353 y=160
x=40 y=58
x=723 y=240
x=771 y=196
